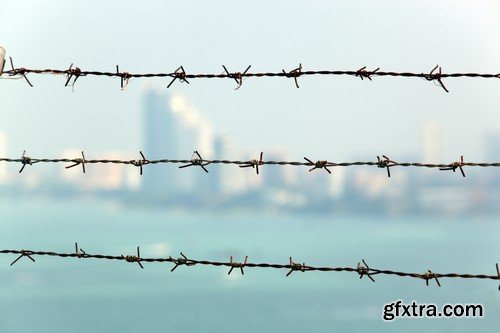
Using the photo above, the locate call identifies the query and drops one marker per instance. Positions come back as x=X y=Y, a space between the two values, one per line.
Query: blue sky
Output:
x=338 y=118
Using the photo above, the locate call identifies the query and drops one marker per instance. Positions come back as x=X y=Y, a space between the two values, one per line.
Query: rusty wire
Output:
x=197 y=160
x=180 y=74
x=362 y=269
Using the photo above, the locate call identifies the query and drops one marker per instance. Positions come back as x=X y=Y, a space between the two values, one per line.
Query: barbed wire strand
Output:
x=382 y=162
x=180 y=74
x=362 y=268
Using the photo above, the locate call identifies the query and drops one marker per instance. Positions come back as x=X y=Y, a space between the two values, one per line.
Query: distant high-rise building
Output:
x=433 y=143
x=174 y=129
x=276 y=177
x=220 y=150
x=226 y=179
x=161 y=134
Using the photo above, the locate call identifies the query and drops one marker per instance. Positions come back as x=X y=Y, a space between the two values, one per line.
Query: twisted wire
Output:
x=197 y=160
x=180 y=74
x=362 y=269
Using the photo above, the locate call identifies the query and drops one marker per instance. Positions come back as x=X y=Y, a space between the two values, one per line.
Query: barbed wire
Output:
x=362 y=268
x=196 y=160
x=74 y=73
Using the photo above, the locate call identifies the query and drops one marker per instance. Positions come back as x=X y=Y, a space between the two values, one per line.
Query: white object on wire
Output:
x=2 y=60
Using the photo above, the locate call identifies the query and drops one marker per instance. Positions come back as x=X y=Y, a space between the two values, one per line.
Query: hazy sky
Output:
x=328 y=117
x=334 y=118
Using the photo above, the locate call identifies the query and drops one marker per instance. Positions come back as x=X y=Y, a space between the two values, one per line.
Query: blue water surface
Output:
x=84 y=295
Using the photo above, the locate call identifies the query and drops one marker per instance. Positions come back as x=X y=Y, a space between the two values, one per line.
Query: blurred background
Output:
x=416 y=220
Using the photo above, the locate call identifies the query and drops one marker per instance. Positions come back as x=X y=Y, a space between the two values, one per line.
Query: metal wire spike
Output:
x=196 y=159
x=181 y=261
x=364 y=270
x=237 y=265
x=254 y=163
x=78 y=161
x=429 y=275
x=455 y=165
x=436 y=76
x=79 y=252
x=24 y=253
x=295 y=73
x=319 y=165
x=386 y=163
x=180 y=74
x=76 y=72
x=140 y=163
x=362 y=72
x=136 y=259
x=498 y=274
x=124 y=78
x=296 y=267
x=237 y=76
x=19 y=71
x=25 y=160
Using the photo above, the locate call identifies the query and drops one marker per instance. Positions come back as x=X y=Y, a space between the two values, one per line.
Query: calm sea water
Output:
x=68 y=295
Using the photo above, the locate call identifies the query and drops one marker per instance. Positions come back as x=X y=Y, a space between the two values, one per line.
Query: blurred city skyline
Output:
x=173 y=127
x=200 y=133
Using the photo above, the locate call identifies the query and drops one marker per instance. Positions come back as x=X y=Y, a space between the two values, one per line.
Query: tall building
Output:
x=174 y=129
x=229 y=179
x=275 y=177
x=161 y=134
x=433 y=143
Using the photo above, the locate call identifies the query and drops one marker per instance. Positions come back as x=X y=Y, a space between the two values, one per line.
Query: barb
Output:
x=435 y=75
x=79 y=253
x=254 y=163
x=180 y=74
x=386 y=163
x=72 y=73
x=362 y=72
x=237 y=265
x=319 y=165
x=23 y=253
x=124 y=77
x=197 y=160
x=364 y=270
x=18 y=71
x=238 y=76
x=296 y=267
x=140 y=163
x=294 y=73
x=24 y=160
x=453 y=166
x=498 y=274
x=429 y=275
x=78 y=161
x=136 y=258
x=292 y=266
x=181 y=261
